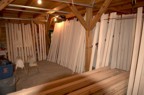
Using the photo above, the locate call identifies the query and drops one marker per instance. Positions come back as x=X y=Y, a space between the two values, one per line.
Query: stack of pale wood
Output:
x=97 y=82
x=24 y=40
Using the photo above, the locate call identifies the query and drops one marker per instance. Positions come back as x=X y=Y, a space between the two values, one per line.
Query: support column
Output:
x=88 y=39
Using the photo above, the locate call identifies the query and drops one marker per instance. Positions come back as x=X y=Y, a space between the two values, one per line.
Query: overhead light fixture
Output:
x=59 y=18
x=39 y=1
x=55 y=19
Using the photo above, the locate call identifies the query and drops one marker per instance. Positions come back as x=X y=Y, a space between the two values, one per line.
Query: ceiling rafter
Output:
x=126 y=7
x=4 y=3
x=102 y=10
x=78 y=15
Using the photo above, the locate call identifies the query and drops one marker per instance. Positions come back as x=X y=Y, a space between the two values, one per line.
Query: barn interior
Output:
x=71 y=47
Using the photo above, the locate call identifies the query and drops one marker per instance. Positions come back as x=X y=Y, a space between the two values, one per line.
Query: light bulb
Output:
x=55 y=19
x=39 y=1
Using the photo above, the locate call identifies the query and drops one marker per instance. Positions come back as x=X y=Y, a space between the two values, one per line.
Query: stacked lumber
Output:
x=97 y=82
x=136 y=83
x=24 y=41
x=68 y=45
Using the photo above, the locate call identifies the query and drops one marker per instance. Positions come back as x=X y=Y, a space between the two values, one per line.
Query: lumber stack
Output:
x=136 y=83
x=68 y=45
x=97 y=82
x=24 y=40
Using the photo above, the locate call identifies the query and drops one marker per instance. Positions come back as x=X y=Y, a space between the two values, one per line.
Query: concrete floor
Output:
x=48 y=71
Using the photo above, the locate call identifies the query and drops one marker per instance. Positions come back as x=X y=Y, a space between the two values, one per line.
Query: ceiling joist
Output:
x=58 y=8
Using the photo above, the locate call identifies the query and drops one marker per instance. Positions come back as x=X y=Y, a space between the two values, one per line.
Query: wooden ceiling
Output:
x=119 y=6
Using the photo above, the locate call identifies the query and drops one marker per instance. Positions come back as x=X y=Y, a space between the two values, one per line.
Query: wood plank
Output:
x=94 y=47
x=139 y=65
x=4 y=3
x=119 y=61
x=116 y=43
x=131 y=45
x=108 y=45
x=99 y=14
x=102 y=84
x=7 y=40
x=135 y=50
x=21 y=40
x=111 y=90
x=78 y=15
x=61 y=90
x=101 y=42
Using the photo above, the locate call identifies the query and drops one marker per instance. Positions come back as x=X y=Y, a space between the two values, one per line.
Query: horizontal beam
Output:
x=58 y=8
x=27 y=11
x=10 y=18
x=68 y=2
x=36 y=8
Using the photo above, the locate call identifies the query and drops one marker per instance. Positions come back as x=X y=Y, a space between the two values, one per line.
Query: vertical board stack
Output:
x=113 y=42
x=68 y=45
x=136 y=83
x=22 y=40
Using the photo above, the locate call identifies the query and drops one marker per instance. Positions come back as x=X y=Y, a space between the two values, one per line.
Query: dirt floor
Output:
x=46 y=72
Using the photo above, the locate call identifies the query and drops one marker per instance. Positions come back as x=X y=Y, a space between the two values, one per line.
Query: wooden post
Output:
x=88 y=40
x=89 y=24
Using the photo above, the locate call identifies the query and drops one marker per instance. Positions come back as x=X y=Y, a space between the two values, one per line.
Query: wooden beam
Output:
x=62 y=6
x=4 y=3
x=78 y=15
x=88 y=39
x=100 y=12
x=96 y=8
x=28 y=2
x=126 y=7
